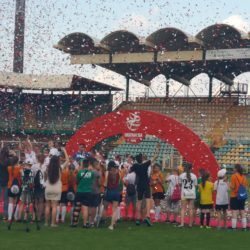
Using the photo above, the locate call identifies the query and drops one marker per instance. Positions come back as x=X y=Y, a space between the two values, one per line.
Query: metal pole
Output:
x=210 y=93
x=127 y=88
x=167 y=88
x=19 y=36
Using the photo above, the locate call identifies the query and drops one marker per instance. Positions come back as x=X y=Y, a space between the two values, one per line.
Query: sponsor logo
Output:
x=133 y=121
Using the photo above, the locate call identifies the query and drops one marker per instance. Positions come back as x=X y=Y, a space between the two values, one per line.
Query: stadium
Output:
x=210 y=131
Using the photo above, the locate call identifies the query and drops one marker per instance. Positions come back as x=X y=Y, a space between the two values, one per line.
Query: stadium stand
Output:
x=49 y=106
x=223 y=124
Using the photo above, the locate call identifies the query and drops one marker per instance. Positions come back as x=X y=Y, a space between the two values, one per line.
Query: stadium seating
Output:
x=49 y=114
x=234 y=152
x=222 y=118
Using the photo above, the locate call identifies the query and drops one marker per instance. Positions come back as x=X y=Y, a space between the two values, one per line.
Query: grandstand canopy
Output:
x=219 y=50
x=52 y=82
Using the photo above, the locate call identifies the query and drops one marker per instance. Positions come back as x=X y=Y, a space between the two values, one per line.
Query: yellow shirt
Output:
x=206 y=193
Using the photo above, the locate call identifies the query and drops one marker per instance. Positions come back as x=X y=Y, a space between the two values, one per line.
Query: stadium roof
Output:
x=52 y=82
x=219 y=50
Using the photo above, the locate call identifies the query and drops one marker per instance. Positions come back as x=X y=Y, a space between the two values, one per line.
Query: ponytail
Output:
x=188 y=167
x=204 y=179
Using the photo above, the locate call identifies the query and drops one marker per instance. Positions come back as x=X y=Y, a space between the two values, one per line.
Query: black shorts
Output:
x=86 y=199
x=236 y=204
x=158 y=196
x=95 y=200
x=143 y=192
x=221 y=208
x=11 y=195
x=39 y=195
x=64 y=199
x=206 y=206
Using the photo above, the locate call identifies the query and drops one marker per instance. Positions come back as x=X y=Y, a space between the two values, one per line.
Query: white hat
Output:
x=222 y=173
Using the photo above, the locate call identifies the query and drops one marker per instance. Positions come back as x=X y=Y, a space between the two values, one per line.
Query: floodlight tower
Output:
x=19 y=36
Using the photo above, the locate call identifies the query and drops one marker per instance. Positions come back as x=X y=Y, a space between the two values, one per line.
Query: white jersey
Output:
x=172 y=180
x=130 y=178
x=188 y=188
x=31 y=157
x=221 y=187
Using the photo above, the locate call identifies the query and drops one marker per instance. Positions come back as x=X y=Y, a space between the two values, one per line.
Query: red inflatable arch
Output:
x=135 y=124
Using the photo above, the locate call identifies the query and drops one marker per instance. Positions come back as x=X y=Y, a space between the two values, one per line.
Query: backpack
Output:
x=176 y=195
x=37 y=181
x=131 y=190
x=242 y=192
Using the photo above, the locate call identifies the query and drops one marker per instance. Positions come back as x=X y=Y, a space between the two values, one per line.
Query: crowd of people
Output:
x=86 y=183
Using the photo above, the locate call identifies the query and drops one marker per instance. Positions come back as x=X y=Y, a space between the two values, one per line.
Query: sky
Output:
x=49 y=21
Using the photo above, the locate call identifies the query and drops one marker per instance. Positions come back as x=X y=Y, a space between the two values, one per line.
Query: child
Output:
x=221 y=187
x=238 y=184
x=188 y=182
x=206 y=189
x=156 y=181
x=25 y=197
x=172 y=205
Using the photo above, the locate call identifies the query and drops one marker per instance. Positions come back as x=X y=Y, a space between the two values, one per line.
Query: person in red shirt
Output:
x=238 y=205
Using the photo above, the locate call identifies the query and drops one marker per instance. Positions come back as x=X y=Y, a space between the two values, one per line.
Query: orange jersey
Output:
x=65 y=179
x=157 y=182
x=14 y=173
x=236 y=180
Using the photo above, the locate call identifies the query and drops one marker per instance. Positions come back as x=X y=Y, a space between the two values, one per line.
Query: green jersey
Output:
x=85 y=179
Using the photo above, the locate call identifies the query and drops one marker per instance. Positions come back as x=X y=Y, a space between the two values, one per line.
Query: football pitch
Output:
x=125 y=236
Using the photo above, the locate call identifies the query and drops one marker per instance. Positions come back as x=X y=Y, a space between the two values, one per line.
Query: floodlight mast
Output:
x=19 y=36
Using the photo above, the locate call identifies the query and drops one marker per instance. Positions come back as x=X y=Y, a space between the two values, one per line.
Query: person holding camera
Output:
x=38 y=171
x=27 y=188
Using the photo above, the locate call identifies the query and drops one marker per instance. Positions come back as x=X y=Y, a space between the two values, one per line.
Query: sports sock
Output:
x=63 y=213
x=10 y=211
x=76 y=212
x=16 y=212
x=157 y=212
x=202 y=216
x=118 y=213
x=234 y=223
x=244 y=222
x=71 y=214
x=57 y=213
x=208 y=219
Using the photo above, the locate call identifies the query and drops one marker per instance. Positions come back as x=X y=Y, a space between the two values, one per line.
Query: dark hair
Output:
x=4 y=155
x=157 y=165
x=202 y=171
x=239 y=169
x=13 y=161
x=138 y=158
x=54 y=169
x=85 y=162
x=204 y=178
x=188 y=167
x=111 y=165
x=92 y=161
